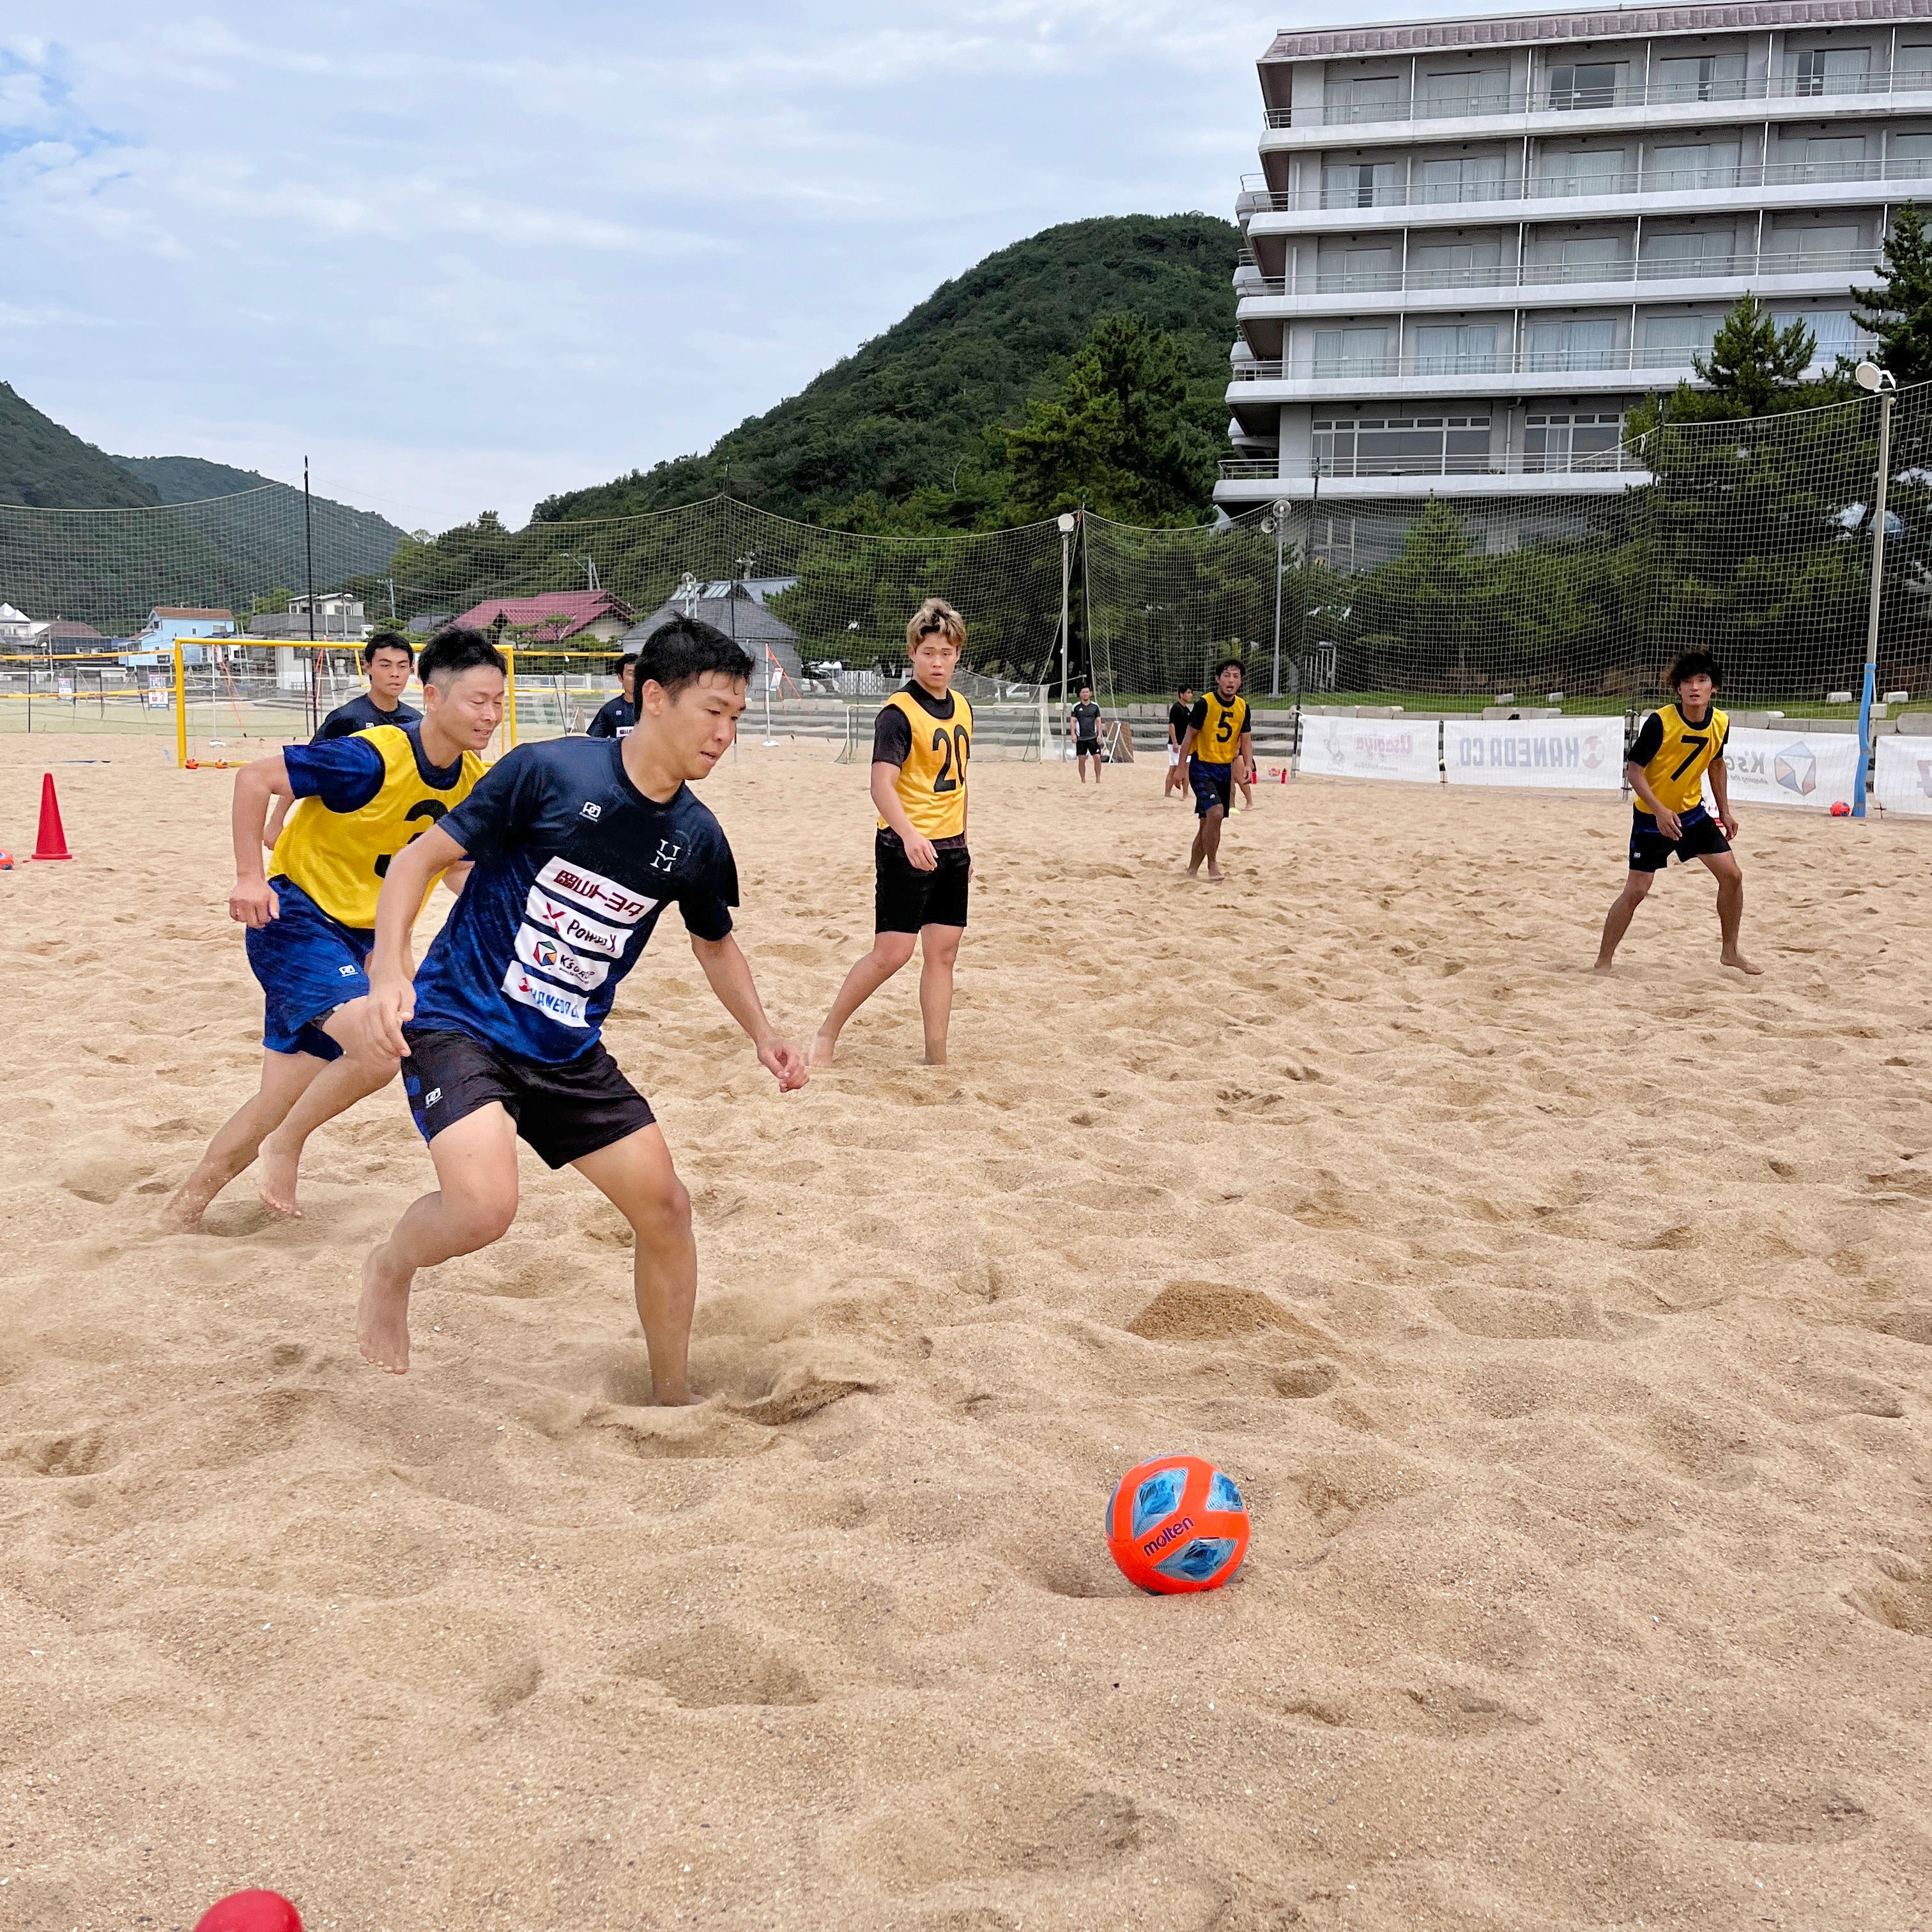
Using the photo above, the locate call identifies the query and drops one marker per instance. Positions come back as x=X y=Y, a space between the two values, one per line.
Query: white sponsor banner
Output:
x=566 y=1009
x=1815 y=769
x=1373 y=747
x=1563 y=754
x=586 y=935
x=1902 y=781
x=602 y=894
x=548 y=954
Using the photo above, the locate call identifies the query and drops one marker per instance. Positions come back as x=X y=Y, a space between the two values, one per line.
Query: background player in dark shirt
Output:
x=577 y=847
x=1085 y=718
x=389 y=660
x=616 y=718
x=1178 y=713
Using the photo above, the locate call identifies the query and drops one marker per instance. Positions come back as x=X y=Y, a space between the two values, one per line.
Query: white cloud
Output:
x=468 y=254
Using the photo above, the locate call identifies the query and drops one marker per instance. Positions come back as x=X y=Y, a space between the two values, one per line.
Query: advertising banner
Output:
x=1903 y=779
x=1813 y=768
x=1560 y=754
x=1373 y=748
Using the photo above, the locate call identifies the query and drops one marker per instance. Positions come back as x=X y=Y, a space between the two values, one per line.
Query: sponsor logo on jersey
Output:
x=587 y=935
x=603 y=894
x=566 y=1009
x=548 y=954
x=592 y=811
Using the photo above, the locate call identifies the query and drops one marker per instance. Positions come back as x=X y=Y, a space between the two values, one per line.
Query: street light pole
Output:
x=1870 y=376
x=1278 y=516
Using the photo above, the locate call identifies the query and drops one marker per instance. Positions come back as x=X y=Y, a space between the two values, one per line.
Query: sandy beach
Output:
x=1571 y=1339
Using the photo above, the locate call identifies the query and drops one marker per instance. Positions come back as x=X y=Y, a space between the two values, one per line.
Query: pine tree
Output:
x=1899 y=312
x=1753 y=364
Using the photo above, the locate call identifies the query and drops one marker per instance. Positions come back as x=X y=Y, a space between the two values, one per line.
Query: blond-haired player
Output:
x=921 y=742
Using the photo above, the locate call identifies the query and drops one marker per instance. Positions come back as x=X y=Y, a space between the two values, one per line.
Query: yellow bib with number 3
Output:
x=340 y=859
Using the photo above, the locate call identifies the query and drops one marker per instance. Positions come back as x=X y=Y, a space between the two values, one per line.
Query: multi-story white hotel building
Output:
x=1474 y=244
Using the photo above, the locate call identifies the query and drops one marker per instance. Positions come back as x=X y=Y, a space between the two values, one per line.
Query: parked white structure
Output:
x=1475 y=243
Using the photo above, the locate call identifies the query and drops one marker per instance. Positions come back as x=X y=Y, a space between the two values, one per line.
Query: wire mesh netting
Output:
x=1752 y=539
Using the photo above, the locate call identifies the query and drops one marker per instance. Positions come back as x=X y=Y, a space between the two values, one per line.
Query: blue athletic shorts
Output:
x=308 y=964
x=1213 y=786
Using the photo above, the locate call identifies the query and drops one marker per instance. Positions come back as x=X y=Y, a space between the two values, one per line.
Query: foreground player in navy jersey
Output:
x=576 y=846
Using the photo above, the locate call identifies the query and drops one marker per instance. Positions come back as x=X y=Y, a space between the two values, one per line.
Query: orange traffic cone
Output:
x=51 y=843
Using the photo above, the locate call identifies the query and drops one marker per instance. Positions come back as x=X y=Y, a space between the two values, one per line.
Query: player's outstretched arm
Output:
x=252 y=902
x=392 y=993
x=730 y=974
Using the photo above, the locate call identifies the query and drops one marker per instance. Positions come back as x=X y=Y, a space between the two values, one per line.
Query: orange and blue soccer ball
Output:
x=1177 y=1524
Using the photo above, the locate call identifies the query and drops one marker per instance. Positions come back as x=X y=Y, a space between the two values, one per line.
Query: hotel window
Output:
x=1591 y=258
x=1835 y=157
x=1910 y=155
x=1832 y=71
x=1467 y=178
x=1448 y=264
x=1705 y=252
x=1380 y=97
x=1669 y=341
x=1452 y=349
x=1402 y=445
x=1595 y=171
x=1700 y=77
x=1571 y=440
x=1699 y=164
x=1595 y=84
x=1833 y=329
x=1588 y=343
x=1344 y=268
x=1464 y=90
x=1812 y=250
x=1358 y=183
x=1353 y=352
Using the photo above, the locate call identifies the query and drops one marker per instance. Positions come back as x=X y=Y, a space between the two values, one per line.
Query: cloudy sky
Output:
x=464 y=254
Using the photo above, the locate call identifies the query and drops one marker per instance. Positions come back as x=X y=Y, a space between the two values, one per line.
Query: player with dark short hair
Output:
x=921 y=743
x=1218 y=738
x=1678 y=745
x=1178 y=714
x=388 y=660
x=361 y=800
x=618 y=716
x=576 y=846
x=1084 y=718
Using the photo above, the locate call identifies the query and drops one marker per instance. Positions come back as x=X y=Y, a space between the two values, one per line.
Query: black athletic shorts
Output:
x=905 y=898
x=1650 y=851
x=564 y=1111
x=1086 y=748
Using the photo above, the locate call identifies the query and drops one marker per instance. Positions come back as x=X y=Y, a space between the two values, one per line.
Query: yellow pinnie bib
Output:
x=1675 y=775
x=339 y=858
x=1219 y=737
x=931 y=783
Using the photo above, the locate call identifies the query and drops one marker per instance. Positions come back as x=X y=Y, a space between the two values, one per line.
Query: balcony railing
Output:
x=1502 y=362
x=1557 y=462
x=1542 y=275
x=1548 y=185
x=1548 y=99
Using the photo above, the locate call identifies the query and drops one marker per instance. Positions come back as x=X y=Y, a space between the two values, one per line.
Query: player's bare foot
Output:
x=1737 y=960
x=276 y=1179
x=1215 y=874
x=1603 y=966
x=183 y=1214
x=824 y=1046
x=681 y=1397
x=383 y=1317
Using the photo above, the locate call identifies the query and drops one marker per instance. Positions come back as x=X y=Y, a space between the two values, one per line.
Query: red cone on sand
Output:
x=251 y=1911
x=52 y=844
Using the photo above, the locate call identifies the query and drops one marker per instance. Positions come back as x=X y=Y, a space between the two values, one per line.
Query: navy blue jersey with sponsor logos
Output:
x=573 y=866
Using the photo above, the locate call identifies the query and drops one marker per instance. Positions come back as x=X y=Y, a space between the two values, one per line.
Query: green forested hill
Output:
x=362 y=535
x=909 y=431
x=47 y=467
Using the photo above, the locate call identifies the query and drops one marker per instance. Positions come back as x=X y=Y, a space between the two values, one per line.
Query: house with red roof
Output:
x=556 y=617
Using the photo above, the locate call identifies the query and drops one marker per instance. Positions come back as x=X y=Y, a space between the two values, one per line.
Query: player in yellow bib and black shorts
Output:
x=1219 y=742
x=362 y=799
x=1680 y=745
x=921 y=745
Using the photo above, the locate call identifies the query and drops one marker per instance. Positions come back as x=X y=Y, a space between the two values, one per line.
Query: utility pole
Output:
x=308 y=540
x=1278 y=517
x=1067 y=522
